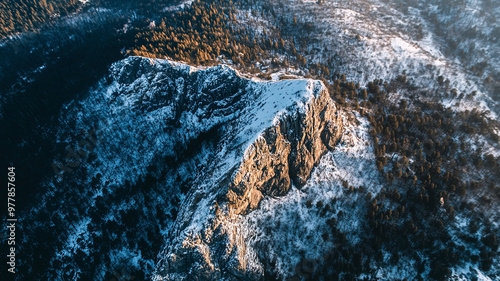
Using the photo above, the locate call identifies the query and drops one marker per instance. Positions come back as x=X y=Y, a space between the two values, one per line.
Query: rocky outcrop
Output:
x=209 y=244
x=285 y=153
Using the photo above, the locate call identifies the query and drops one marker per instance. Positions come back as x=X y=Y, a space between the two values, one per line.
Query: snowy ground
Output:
x=286 y=231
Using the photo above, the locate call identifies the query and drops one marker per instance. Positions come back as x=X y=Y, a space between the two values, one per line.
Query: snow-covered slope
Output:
x=438 y=45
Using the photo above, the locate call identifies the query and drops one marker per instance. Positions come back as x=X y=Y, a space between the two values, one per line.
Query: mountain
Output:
x=253 y=140
x=188 y=143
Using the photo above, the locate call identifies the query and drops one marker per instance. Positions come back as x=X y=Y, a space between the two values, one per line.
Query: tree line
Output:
x=24 y=15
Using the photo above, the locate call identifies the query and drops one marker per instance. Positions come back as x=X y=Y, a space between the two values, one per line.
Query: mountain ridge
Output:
x=176 y=133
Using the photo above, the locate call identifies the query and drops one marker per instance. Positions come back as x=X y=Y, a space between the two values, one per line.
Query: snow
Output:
x=136 y=124
x=404 y=268
x=178 y=7
x=71 y=245
x=464 y=273
x=275 y=99
x=400 y=46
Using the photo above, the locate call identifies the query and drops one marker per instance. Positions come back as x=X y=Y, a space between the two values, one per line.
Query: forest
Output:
x=25 y=15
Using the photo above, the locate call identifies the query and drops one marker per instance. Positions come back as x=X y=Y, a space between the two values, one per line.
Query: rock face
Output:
x=285 y=154
x=209 y=243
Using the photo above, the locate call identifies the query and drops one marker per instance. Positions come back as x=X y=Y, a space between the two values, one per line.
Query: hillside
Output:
x=254 y=139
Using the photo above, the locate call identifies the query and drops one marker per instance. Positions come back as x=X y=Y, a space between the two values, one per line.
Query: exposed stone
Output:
x=286 y=153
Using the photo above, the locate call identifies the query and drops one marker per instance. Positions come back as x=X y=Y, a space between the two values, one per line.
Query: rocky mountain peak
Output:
x=285 y=131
